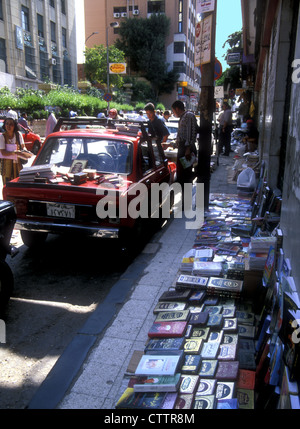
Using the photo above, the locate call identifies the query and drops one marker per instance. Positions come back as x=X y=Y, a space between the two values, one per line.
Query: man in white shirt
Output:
x=225 y=120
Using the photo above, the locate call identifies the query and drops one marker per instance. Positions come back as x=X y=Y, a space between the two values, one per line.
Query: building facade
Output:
x=37 y=42
x=275 y=26
x=180 y=44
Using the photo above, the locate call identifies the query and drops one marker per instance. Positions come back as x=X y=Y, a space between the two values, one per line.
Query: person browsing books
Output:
x=11 y=145
x=185 y=141
x=156 y=127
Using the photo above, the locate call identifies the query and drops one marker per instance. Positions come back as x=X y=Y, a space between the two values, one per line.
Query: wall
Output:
x=291 y=192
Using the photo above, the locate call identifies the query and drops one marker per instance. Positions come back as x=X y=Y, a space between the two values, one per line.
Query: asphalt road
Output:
x=57 y=288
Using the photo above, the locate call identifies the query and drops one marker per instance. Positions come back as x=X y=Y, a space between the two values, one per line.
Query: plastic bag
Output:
x=246 y=179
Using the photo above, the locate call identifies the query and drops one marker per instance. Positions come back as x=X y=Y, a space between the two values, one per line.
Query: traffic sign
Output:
x=107 y=97
x=218 y=69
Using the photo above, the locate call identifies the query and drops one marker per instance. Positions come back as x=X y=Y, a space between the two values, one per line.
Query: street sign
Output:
x=107 y=97
x=233 y=58
x=117 y=68
x=218 y=69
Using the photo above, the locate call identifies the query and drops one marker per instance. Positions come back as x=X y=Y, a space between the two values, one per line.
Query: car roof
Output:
x=93 y=132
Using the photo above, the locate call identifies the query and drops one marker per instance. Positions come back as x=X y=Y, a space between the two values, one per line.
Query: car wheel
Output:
x=6 y=286
x=33 y=238
x=36 y=147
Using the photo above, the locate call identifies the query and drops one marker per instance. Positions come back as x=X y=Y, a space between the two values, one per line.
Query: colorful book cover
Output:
x=246 y=379
x=169 y=306
x=206 y=386
x=208 y=368
x=167 y=329
x=164 y=344
x=188 y=384
x=225 y=389
x=210 y=350
x=245 y=398
x=227 y=370
x=193 y=345
x=172 y=316
x=191 y=364
x=204 y=402
x=158 y=365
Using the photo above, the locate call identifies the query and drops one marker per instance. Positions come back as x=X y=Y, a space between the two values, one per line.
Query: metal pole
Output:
x=107 y=61
x=206 y=108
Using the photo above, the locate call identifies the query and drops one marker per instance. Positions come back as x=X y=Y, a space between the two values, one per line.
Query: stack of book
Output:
x=29 y=174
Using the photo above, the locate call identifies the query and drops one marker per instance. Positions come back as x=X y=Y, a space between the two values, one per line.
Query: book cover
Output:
x=167 y=329
x=219 y=283
x=191 y=281
x=140 y=400
x=227 y=352
x=169 y=306
x=189 y=384
x=191 y=364
x=193 y=345
x=164 y=344
x=245 y=317
x=167 y=383
x=199 y=318
x=169 y=401
x=213 y=309
x=230 y=325
x=204 y=402
x=197 y=297
x=206 y=386
x=245 y=398
x=208 y=368
x=227 y=370
x=215 y=321
x=210 y=350
x=184 y=402
x=246 y=379
x=246 y=359
x=216 y=336
x=246 y=331
x=158 y=365
x=172 y=316
x=227 y=404
x=188 y=162
x=175 y=295
x=228 y=311
x=200 y=332
x=225 y=389
x=230 y=338
x=211 y=300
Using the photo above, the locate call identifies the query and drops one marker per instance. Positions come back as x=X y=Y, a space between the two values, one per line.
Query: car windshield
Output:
x=102 y=155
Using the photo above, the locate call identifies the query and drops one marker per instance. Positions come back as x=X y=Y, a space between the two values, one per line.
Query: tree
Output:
x=143 y=42
x=232 y=75
x=96 y=64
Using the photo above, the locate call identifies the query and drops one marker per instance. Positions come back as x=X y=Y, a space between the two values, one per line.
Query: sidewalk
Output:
x=91 y=373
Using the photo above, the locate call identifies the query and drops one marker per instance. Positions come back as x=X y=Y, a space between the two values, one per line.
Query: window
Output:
x=40 y=24
x=53 y=32
x=180 y=17
x=63 y=7
x=179 y=67
x=52 y=3
x=179 y=48
x=64 y=37
x=1 y=10
x=155 y=6
x=25 y=18
x=147 y=164
x=2 y=56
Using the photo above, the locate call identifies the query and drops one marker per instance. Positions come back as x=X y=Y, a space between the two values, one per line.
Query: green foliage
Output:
x=143 y=42
x=96 y=64
x=232 y=74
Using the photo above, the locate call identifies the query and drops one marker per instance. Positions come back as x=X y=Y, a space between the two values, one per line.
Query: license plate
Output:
x=61 y=210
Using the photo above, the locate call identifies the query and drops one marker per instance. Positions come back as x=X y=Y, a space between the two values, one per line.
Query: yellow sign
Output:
x=117 y=68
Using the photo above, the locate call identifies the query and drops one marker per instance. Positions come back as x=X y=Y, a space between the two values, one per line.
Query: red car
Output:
x=99 y=182
x=32 y=141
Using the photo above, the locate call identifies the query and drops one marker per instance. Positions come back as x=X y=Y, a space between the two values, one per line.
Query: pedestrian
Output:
x=23 y=122
x=167 y=115
x=141 y=117
x=251 y=138
x=113 y=114
x=185 y=141
x=11 y=114
x=11 y=144
x=156 y=127
x=225 y=129
x=50 y=124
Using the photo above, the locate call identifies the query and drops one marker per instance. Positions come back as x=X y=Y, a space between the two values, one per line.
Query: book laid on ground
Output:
x=227 y=404
x=191 y=364
x=197 y=319
x=165 y=383
x=227 y=370
x=167 y=329
x=210 y=350
x=169 y=306
x=246 y=379
x=193 y=345
x=200 y=332
x=150 y=365
x=227 y=352
x=206 y=386
x=184 y=401
x=175 y=295
x=216 y=284
x=209 y=268
x=245 y=398
x=164 y=345
x=202 y=402
x=192 y=282
x=140 y=400
x=225 y=389
x=169 y=401
x=188 y=384
x=208 y=368
x=173 y=316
